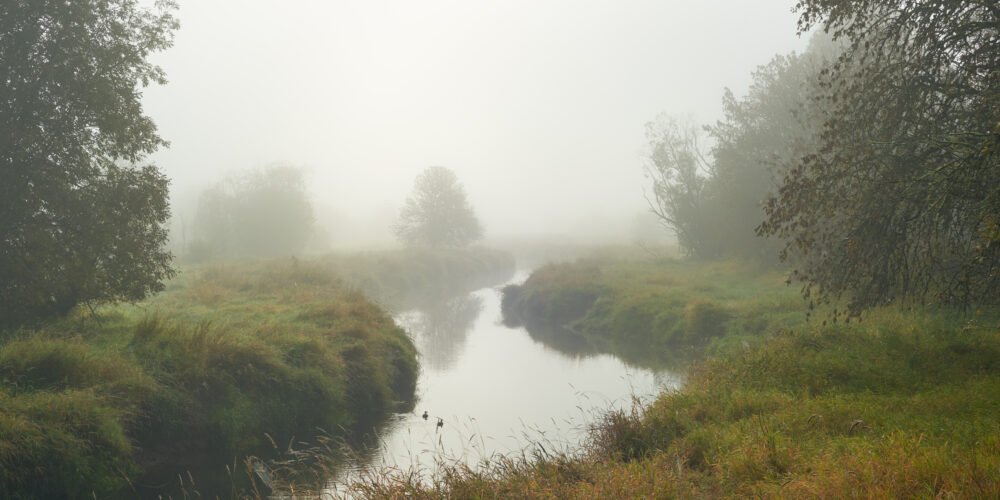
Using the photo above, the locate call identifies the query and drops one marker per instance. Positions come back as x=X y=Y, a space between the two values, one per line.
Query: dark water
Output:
x=496 y=390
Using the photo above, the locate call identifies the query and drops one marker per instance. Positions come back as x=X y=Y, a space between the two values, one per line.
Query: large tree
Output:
x=438 y=213
x=79 y=220
x=901 y=199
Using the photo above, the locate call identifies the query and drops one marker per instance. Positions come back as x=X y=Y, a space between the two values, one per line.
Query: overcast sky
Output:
x=538 y=106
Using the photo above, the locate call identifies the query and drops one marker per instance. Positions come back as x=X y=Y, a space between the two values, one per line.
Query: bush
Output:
x=703 y=320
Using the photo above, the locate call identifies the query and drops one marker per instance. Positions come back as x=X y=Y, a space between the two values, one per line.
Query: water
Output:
x=497 y=391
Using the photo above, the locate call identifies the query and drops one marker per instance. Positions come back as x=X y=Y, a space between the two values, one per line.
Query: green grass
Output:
x=650 y=312
x=233 y=359
x=905 y=403
x=225 y=355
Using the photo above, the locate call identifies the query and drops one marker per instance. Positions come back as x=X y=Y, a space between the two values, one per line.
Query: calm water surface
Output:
x=496 y=390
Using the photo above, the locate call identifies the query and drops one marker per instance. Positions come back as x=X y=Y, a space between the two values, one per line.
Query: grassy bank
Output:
x=903 y=404
x=232 y=359
x=194 y=375
x=650 y=312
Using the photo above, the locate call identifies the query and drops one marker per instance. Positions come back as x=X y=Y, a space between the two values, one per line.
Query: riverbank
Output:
x=651 y=312
x=902 y=404
x=233 y=359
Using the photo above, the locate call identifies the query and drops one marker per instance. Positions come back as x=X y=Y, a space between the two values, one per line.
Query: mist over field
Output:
x=538 y=107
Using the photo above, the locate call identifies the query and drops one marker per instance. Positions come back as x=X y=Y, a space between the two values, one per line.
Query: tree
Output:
x=680 y=174
x=259 y=213
x=437 y=214
x=760 y=137
x=714 y=203
x=79 y=220
x=901 y=199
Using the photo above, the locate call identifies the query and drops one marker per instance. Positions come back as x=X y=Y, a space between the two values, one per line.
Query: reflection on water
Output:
x=497 y=390
x=636 y=352
x=439 y=330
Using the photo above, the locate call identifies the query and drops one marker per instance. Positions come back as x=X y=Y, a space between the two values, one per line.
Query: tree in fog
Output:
x=901 y=199
x=761 y=136
x=80 y=220
x=259 y=213
x=679 y=174
x=437 y=213
x=715 y=202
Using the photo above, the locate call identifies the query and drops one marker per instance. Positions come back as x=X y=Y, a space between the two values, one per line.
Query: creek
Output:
x=491 y=390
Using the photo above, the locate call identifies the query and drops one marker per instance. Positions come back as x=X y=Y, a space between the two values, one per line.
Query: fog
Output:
x=538 y=107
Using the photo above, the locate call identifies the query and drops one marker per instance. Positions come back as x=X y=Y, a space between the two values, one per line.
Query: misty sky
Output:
x=538 y=106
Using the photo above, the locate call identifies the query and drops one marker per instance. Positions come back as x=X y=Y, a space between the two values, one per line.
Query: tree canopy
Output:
x=79 y=219
x=901 y=198
x=438 y=213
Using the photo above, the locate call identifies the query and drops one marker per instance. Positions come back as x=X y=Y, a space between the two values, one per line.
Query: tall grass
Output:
x=227 y=354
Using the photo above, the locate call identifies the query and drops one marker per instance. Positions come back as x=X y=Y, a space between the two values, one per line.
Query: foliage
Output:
x=714 y=203
x=900 y=201
x=760 y=137
x=437 y=214
x=259 y=213
x=79 y=221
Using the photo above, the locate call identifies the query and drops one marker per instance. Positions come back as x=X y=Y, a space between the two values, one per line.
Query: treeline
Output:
x=870 y=160
x=255 y=213
x=268 y=213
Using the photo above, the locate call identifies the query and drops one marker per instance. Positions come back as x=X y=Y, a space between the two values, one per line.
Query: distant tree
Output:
x=762 y=135
x=79 y=221
x=259 y=213
x=680 y=174
x=900 y=201
x=714 y=202
x=437 y=214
